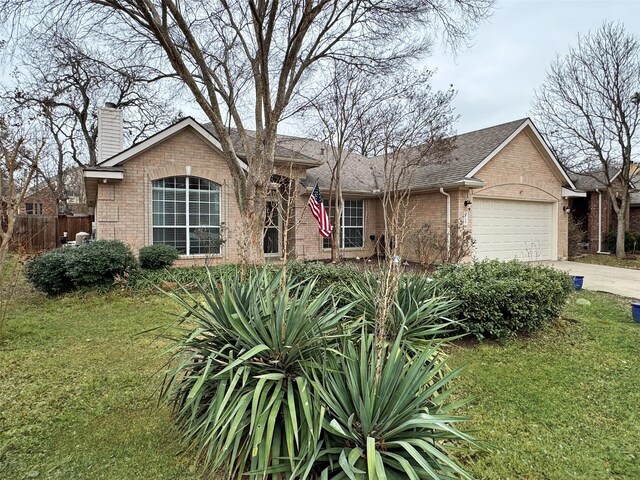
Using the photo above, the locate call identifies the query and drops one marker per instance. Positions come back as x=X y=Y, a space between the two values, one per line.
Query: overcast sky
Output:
x=510 y=54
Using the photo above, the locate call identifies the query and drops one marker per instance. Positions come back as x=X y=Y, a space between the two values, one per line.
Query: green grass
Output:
x=631 y=261
x=562 y=404
x=78 y=390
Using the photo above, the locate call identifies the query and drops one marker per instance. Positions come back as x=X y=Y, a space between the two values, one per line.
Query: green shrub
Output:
x=418 y=308
x=326 y=275
x=99 y=262
x=240 y=389
x=155 y=257
x=393 y=426
x=501 y=299
x=48 y=272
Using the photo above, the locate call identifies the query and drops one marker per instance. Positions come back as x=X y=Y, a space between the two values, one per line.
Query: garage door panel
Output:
x=507 y=229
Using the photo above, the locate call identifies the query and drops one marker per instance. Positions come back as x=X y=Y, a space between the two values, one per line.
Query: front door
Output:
x=272 y=230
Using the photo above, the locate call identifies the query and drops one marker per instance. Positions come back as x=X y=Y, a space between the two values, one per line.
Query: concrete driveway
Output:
x=621 y=281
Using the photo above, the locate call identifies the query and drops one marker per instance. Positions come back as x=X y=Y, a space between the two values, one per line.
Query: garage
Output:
x=508 y=229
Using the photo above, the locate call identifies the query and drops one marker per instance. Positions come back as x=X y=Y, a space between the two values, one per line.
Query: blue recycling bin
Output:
x=578 y=280
x=635 y=311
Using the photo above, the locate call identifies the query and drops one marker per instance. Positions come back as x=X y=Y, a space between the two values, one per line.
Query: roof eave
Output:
x=573 y=193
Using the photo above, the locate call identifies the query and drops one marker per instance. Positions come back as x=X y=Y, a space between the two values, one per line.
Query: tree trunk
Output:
x=5 y=238
x=622 y=220
x=251 y=237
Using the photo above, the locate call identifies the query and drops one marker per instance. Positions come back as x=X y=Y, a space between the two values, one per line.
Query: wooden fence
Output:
x=36 y=233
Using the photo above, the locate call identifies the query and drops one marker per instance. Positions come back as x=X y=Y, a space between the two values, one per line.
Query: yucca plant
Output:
x=417 y=309
x=239 y=387
x=395 y=424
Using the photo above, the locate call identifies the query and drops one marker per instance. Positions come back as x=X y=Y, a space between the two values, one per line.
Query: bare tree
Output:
x=414 y=125
x=21 y=147
x=339 y=109
x=256 y=56
x=64 y=81
x=349 y=115
x=588 y=108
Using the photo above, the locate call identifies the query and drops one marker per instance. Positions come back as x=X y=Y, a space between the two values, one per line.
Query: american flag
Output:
x=320 y=213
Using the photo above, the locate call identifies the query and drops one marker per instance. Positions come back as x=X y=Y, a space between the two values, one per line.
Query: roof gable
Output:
x=526 y=124
x=160 y=137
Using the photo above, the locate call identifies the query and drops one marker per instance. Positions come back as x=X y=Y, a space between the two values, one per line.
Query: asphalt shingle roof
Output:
x=364 y=175
x=361 y=174
x=590 y=182
x=281 y=150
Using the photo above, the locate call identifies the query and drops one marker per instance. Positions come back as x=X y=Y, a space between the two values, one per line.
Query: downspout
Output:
x=599 y=220
x=448 y=221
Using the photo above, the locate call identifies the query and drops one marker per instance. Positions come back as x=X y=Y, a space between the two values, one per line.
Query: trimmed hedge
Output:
x=155 y=257
x=68 y=268
x=502 y=299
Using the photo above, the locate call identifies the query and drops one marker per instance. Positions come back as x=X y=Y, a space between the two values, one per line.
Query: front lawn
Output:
x=563 y=404
x=632 y=261
x=77 y=391
x=78 y=388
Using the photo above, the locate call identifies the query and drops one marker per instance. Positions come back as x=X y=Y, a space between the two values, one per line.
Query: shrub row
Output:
x=496 y=299
x=155 y=257
x=500 y=299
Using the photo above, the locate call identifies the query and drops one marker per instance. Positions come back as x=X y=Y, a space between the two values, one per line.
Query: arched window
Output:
x=186 y=214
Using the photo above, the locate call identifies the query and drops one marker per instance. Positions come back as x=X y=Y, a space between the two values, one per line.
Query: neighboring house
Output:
x=503 y=182
x=41 y=200
x=595 y=213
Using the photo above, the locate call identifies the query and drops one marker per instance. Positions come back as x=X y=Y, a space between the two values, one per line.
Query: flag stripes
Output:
x=320 y=213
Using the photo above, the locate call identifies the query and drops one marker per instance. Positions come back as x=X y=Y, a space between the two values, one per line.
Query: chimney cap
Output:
x=110 y=105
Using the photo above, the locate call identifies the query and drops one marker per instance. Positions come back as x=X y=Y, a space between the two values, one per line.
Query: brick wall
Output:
x=520 y=171
x=634 y=218
x=46 y=198
x=124 y=209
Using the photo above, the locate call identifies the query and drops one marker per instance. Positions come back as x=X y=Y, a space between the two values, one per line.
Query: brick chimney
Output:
x=110 y=131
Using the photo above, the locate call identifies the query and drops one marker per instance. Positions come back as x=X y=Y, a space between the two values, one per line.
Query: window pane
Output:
x=352 y=225
x=271 y=241
x=170 y=210
x=204 y=203
x=353 y=237
x=271 y=237
x=176 y=237
x=204 y=240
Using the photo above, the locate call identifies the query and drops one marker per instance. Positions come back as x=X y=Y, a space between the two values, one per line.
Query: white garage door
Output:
x=508 y=229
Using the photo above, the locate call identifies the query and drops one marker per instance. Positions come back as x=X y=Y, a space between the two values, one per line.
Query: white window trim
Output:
x=349 y=249
x=187 y=227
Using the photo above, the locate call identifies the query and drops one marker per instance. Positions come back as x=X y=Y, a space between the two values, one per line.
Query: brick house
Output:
x=595 y=213
x=40 y=200
x=502 y=182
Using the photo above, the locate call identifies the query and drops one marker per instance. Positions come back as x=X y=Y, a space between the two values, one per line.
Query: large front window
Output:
x=351 y=226
x=186 y=214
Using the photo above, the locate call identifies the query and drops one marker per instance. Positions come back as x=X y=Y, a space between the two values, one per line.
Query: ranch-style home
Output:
x=502 y=183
